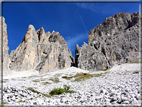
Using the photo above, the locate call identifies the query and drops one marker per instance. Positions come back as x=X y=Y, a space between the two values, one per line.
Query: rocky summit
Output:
x=4 y=44
x=41 y=51
x=115 y=41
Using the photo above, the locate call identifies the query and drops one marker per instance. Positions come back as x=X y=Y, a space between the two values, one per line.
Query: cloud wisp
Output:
x=83 y=24
x=103 y=8
x=79 y=39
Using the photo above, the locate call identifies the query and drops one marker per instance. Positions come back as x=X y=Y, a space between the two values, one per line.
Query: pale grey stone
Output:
x=44 y=52
x=3 y=31
x=115 y=41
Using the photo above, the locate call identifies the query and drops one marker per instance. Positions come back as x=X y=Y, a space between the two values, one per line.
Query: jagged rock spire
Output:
x=4 y=39
x=41 y=51
x=25 y=55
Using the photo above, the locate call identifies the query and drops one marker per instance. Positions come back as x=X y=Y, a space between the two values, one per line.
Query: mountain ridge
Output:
x=110 y=43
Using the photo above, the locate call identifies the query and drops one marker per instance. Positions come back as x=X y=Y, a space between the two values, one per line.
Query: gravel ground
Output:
x=117 y=86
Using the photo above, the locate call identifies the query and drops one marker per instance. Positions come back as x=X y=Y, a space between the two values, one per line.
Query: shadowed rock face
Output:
x=5 y=44
x=53 y=54
x=115 y=41
x=41 y=51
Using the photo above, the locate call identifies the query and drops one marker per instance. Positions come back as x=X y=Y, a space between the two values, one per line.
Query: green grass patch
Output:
x=35 y=81
x=20 y=101
x=85 y=73
x=83 y=76
x=135 y=72
x=4 y=103
x=31 y=89
x=46 y=83
x=56 y=80
x=67 y=78
x=61 y=90
x=136 y=62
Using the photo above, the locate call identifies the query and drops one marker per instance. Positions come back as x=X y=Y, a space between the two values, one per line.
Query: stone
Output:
x=115 y=41
x=54 y=54
x=41 y=51
x=25 y=55
x=86 y=58
x=3 y=31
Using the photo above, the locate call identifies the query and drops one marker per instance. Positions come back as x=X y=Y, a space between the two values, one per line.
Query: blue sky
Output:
x=72 y=20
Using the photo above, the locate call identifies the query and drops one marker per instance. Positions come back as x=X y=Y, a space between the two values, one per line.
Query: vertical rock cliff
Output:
x=41 y=51
x=115 y=41
x=53 y=53
x=25 y=56
x=4 y=43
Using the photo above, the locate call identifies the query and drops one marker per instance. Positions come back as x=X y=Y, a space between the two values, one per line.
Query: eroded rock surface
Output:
x=115 y=41
x=25 y=56
x=53 y=53
x=41 y=51
x=3 y=30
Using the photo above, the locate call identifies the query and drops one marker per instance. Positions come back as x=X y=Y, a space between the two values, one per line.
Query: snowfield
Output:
x=120 y=85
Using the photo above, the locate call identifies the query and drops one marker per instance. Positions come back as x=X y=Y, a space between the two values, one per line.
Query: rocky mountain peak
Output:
x=41 y=51
x=31 y=27
x=53 y=31
x=56 y=37
x=30 y=35
x=41 y=34
x=114 y=42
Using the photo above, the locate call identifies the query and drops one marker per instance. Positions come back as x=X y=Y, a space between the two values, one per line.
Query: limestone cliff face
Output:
x=3 y=31
x=115 y=41
x=41 y=51
x=53 y=53
x=25 y=55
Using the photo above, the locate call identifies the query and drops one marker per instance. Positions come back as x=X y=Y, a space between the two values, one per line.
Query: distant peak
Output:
x=2 y=19
x=41 y=30
x=77 y=46
x=53 y=31
x=31 y=26
x=48 y=32
x=85 y=43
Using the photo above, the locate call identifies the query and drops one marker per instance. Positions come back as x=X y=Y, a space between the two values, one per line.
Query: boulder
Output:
x=4 y=44
x=115 y=41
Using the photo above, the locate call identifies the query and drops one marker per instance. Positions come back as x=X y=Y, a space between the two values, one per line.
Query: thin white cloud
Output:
x=98 y=7
x=77 y=39
x=83 y=24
